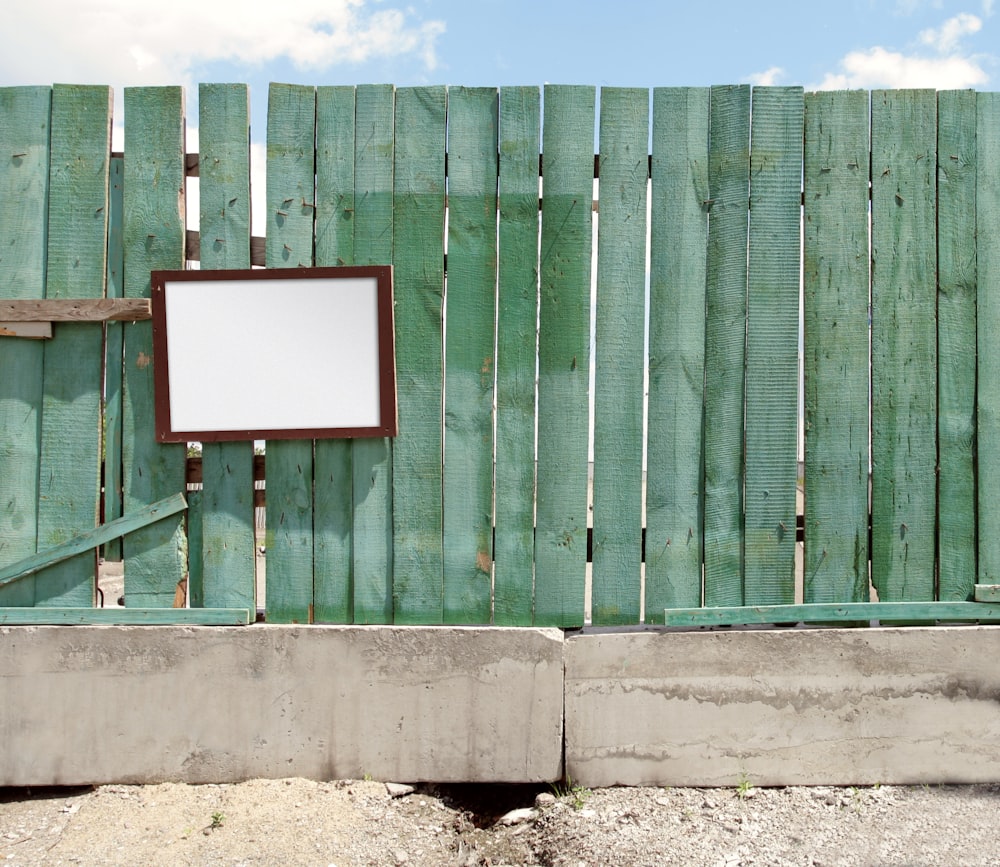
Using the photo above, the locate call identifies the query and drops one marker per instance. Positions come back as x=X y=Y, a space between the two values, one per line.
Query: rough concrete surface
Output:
x=784 y=707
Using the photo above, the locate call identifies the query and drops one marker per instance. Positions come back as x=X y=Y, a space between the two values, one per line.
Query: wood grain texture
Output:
x=619 y=355
x=904 y=358
x=70 y=470
x=517 y=342
x=564 y=355
x=725 y=343
x=291 y=131
x=956 y=323
x=675 y=443
x=418 y=258
x=772 y=377
x=835 y=301
x=155 y=556
x=845 y=613
x=113 y=348
x=81 y=309
x=469 y=354
x=24 y=184
x=333 y=516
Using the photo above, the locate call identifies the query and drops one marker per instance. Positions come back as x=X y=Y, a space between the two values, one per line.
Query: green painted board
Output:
x=848 y=612
x=194 y=527
x=835 y=287
x=956 y=339
x=228 y=540
x=564 y=355
x=333 y=514
x=76 y=267
x=154 y=238
x=24 y=188
x=469 y=353
x=725 y=342
x=371 y=459
x=291 y=130
x=772 y=377
x=675 y=444
x=114 y=345
x=125 y=617
x=988 y=326
x=904 y=360
x=619 y=356
x=418 y=259
x=517 y=341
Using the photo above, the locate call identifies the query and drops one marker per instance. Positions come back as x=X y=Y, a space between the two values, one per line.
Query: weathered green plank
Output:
x=956 y=320
x=291 y=130
x=418 y=258
x=371 y=459
x=69 y=478
x=725 y=342
x=517 y=340
x=772 y=377
x=227 y=530
x=988 y=327
x=24 y=189
x=333 y=515
x=114 y=345
x=153 y=236
x=195 y=526
x=852 y=612
x=468 y=427
x=675 y=450
x=564 y=355
x=835 y=302
x=619 y=356
x=986 y=592
x=904 y=359
x=125 y=616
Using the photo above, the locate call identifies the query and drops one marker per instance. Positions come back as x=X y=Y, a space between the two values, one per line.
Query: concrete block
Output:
x=84 y=704
x=784 y=707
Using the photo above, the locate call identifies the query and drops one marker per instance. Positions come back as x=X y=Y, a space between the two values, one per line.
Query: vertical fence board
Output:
x=156 y=555
x=76 y=267
x=517 y=341
x=956 y=300
x=904 y=338
x=195 y=526
x=291 y=130
x=564 y=355
x=333 y=588
x=114 y=342
x=725 y=343
x=618 y=385
x=675 y=445
x=372 y=458
x=835 y=301
x=988 y=325
x=228 y=533
x=469 y=353
x=24 y=187
x=772 y=405
x=418 y=258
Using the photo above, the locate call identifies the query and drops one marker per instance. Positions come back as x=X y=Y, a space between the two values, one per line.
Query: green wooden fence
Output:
x=653 y=312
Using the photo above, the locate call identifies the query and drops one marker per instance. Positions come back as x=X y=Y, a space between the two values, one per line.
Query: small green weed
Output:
x=744 y=788
x=575 y=793
x=218 y=819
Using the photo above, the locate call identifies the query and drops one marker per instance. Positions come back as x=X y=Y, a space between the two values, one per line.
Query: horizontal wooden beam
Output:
x=125 y=616
x=987 y=593
x=29 y=330
x=884 y=612
x=76 y=310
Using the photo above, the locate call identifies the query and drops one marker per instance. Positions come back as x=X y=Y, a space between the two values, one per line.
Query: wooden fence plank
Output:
x=113 y=348
x=619 y=356
x=725 y=343
x=988 y=327
x=675 y=444
x=333 y=515
x=564 y=355
x=24 y=187
x=291 y=131
x=843 y=613
x=228 y=533
x=76 y=267
x=155 y=556
x=468 y=431
x=904 y=340
x=517 y=342
x=125 y=616
x=772 y=376
x=835 y=301
x=956 y=321
x=418 y=257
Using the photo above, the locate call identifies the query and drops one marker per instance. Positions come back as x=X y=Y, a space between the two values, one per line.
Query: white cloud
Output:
x=946 y=38
x=767 y=77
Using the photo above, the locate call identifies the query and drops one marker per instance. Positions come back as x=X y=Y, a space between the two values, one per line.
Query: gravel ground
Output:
x=356 y=822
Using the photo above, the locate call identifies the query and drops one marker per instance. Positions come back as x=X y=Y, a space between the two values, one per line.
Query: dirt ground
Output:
x=363 y=822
